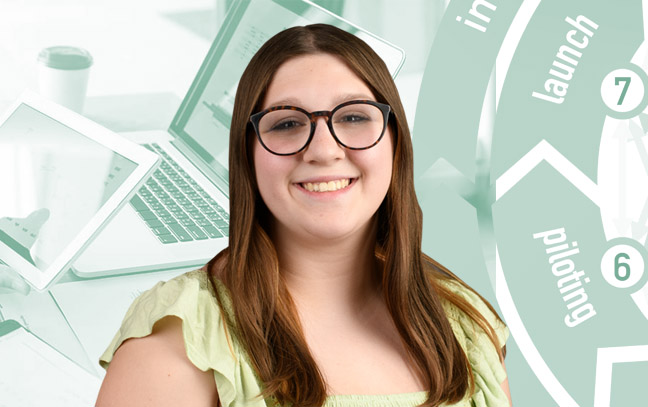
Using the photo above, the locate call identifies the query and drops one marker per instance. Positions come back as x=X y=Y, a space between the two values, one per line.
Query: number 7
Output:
x=625 y=79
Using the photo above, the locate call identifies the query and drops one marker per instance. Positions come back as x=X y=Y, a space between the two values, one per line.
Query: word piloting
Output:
x=570 y=283
x=566 y=60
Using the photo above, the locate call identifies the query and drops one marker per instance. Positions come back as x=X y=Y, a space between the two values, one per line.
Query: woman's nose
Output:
x=323 y=146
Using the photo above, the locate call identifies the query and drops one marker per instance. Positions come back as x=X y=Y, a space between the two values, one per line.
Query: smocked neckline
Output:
x=386 y=400
x=378 y=396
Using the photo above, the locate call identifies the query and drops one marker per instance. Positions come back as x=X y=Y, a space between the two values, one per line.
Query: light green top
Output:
x=210 y=346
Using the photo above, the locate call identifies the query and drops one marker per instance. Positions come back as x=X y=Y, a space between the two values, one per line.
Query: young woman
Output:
x=323 y=296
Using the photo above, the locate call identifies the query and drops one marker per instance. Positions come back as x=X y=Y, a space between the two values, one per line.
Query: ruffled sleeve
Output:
x=207 y=339
x=482 y=354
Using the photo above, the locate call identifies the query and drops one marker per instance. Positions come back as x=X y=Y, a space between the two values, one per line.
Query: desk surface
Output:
x=137 y=47
x=144 y=61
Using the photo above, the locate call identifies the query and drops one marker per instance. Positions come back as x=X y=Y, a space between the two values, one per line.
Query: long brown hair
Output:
x=265 y=319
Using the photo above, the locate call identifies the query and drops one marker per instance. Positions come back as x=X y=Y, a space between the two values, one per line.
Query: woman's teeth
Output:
x=326 y=186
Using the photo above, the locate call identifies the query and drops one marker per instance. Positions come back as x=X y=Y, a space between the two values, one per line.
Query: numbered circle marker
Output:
x=622 y=266
x=624 y=92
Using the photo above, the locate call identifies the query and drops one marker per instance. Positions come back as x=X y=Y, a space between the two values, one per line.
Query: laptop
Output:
x=64 y=178
x=180 y=217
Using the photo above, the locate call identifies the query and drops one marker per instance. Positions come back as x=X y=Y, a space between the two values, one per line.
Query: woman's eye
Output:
x=286 y=125
x=352 y=118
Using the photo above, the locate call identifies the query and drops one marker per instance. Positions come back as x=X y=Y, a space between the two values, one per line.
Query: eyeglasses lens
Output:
x=286 y=131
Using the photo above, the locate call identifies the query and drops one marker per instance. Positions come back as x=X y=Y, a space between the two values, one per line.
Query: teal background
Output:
x=146 y=54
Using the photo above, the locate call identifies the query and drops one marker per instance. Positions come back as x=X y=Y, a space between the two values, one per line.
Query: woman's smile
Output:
x=327 y=189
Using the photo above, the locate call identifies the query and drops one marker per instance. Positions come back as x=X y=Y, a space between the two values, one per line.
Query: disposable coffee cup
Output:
x=63 y=75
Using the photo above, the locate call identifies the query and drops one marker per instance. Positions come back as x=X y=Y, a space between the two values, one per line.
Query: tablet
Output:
x=32 y=373
x=62 y=177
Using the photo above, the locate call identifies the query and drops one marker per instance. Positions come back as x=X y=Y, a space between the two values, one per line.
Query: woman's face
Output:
x=321 y=82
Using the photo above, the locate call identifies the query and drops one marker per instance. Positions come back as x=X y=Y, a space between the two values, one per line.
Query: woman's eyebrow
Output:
x=285 y=102
x=292 y=101
x=353 y=96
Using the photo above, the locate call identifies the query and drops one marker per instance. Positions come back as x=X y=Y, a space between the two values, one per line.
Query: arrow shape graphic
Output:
x=637 y=134
x=622 y=222
x=639 y=228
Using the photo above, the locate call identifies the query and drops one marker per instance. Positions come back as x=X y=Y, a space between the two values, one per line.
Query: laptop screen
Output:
x=203 y=120
x=58 y=181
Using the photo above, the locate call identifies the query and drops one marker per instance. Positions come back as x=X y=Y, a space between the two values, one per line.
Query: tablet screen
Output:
x=53 y=180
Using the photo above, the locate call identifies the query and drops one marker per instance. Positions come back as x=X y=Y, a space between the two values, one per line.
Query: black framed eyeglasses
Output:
x=287 y=130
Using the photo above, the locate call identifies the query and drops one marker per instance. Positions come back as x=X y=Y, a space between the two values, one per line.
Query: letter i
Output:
x=472 y=24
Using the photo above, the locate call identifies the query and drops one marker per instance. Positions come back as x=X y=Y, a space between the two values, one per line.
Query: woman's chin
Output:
x=331 y=231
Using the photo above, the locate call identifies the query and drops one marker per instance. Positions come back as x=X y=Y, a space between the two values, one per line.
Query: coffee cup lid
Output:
x=64 y=57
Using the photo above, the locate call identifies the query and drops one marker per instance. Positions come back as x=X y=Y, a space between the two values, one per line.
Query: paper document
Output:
x=34 y=374
x=39 y=313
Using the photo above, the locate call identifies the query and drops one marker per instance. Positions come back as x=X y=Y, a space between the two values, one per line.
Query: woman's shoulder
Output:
x=460 y=318
x=200 y=325
x=155 y=370
x=482 y=355
x=189 y=297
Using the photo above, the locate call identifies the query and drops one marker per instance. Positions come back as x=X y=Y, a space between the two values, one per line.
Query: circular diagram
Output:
x=539 y=139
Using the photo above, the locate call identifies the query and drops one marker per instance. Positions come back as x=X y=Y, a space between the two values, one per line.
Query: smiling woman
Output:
x=323 y=296
x=315 y=82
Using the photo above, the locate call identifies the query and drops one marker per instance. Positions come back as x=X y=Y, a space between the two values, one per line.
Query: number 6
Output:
x=619 y=264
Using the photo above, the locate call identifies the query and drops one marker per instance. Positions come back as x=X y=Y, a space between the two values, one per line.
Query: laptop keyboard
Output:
x=175 y=207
